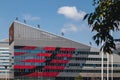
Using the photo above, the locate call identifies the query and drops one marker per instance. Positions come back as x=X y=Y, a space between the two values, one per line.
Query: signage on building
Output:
x=11 y=34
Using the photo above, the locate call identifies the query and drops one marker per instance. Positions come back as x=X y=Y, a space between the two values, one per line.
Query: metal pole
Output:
x=6 y=71
x=107 y=66
x=111 y=66
x=111 y=61
x=6 y=74
x=102 y=63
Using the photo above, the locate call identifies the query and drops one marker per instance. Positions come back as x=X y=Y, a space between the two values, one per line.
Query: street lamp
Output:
x=6 y=71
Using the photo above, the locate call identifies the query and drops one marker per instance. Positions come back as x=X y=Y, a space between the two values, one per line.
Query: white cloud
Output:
x=83 y=27
x=71 y=12
x=69 y=28
x=30 y=17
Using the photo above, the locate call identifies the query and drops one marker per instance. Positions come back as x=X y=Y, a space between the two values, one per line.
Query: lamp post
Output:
x=102 y=63
x=6 y=71
x=107 y=66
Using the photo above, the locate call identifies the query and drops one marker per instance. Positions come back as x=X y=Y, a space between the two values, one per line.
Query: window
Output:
x=67 y=65
x=81 y=65
x=65 y=58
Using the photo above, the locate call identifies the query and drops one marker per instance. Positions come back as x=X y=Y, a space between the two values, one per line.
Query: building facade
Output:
x=41 y=55
x=5 y=65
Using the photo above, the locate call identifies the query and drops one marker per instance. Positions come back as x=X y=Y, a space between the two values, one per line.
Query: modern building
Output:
x=42 y=55
x=5 y=57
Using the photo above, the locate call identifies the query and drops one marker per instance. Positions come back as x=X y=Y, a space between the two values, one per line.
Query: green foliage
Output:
x=103 y=20
x=78 y=77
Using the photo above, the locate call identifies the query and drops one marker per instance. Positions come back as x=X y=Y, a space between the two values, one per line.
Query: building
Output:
x=41 y=55
x=5 y=60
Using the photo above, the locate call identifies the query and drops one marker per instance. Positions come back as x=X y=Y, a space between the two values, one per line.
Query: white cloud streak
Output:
x=69 y=28
x=71 y=12
x=30 y=17
x=83 y=27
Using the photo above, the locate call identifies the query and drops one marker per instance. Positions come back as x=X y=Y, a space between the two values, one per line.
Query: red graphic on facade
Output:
x=54 y=67
x=49 y=48
x=64 y=55
x=19 y=53
x=34 y=60
x=67 y=49
x=29 y=47
x=51 y=55
x=43 y=74
x=23 y=67
x=44 y=54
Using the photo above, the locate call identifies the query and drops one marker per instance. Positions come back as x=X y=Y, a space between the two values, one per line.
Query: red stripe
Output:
x=29 y=47
x=43 y=74
x=23 y=67
x=44 y=54
x=63 y=55
x=59 y=61
x=49 y=48
x=19 y=53
x=34 y=60
x=67 y=49
x=54 y=67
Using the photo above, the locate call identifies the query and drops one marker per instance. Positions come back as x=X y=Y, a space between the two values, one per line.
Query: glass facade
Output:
x=46 y=63
x=5 y=65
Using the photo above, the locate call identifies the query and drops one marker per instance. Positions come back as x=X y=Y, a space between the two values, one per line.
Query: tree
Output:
x=103 y=20
x=78 y=77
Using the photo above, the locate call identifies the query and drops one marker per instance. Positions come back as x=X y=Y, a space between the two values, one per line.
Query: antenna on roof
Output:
x=38 y=26
x=24 y=21
x=62 y=33
x=16 y=18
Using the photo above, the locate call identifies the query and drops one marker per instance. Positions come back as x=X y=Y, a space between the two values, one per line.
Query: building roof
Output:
x=4 y=43
x=4 y=40
x=24 y=31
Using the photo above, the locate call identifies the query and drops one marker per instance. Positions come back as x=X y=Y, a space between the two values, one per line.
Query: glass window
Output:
x=65 y=58
x=81 y=65
x=67 y=65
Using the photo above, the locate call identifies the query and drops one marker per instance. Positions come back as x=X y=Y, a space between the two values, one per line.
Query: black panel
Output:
x=18 y=47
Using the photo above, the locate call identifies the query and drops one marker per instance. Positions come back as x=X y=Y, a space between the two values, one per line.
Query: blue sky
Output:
x=55 y=16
